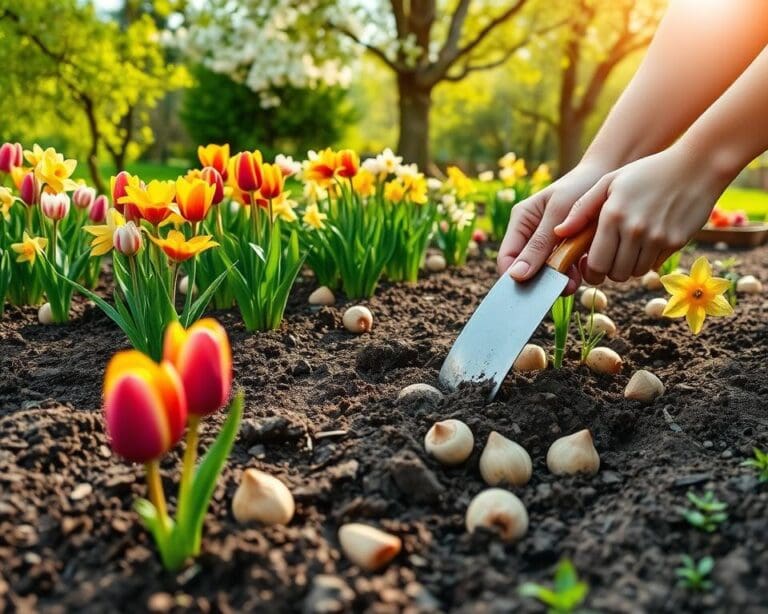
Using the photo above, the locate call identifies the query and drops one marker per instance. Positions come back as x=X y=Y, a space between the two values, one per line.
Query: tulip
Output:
x=83 y=197
x=30 y=190
x=272 y=181
x=97 y=212
x=144 y=406
x=54 y=206
x=216 y=156
x=152 y=201
x=347 y=163
x=11 y=156
x=118 y=185
x=203 y=358
x=127 y=239
x=248 y=171
x=194 y=198
x=214 y=178
x=179 y=249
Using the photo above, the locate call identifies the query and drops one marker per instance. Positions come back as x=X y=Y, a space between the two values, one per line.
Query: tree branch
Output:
x=372 y=48
x=451 y=46
x=540 y=117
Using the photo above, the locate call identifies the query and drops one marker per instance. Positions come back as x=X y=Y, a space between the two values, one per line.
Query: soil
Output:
x=69 y=540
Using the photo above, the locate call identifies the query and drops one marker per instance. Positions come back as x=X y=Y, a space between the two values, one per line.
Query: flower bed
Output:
x=321 y=414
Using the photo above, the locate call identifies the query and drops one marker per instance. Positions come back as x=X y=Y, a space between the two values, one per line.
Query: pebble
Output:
x=160 y=602
x=81 y=491
x=328 y=594
x=708 y=444
x=414 y=479
x=726 y=454
x=419 y=392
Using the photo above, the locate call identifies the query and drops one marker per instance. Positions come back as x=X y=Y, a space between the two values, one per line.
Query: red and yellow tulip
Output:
x=152 y=201
x=248 y=171
x=215 y=156
x=178 y=248
x=194 y=198
x=272 y=181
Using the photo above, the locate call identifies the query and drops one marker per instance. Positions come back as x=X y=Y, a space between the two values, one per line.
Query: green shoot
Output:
x=670 y=264
x=561 y=316
x=588 y=335
x=708 y=514
x=567 y=594
x=759 y=463
x=695 y=575
x=728 y=270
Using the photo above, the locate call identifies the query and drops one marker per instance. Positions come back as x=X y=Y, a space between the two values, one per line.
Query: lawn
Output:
x=754 y=202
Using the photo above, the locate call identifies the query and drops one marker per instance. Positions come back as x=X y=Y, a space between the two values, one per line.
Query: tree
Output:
x=92 y=78
x=423 y=42
x=219 y=110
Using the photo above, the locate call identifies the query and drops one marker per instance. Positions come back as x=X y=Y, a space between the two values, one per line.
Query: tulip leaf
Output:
x=193 y=312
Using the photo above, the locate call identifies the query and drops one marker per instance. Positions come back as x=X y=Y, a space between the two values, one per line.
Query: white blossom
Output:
x=506 y=196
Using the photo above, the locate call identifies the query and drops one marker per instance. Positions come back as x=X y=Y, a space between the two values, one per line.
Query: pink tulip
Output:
x=127 y=239
x=54 y=206
x=97 y=212
x=30 y=190
x=83 y=197
x=214 y=178
x=11 y=155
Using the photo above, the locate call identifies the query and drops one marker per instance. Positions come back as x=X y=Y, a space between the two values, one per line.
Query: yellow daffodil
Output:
x=178 y=248
x=103 y=233
x=6 y=202
x=153 y=201
x=313 y=217
x=394 y=190
x=459 y=182
x=541 y=176
x=29 y=248
x=54 y=171
x=34 y=155
x=697 y=295
x=416 y=187
x=364 y=183
x=283 y=208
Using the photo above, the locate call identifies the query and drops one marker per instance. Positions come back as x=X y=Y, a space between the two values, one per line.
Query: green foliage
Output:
x=728 y=269
x=694 y=575
x=5 y=277
x=567 y=594
x=708 y=512
x=411 y=226
x=670 y=264
x=219 y=110
x=561 y=316
x=588 y=336
x=759 y=463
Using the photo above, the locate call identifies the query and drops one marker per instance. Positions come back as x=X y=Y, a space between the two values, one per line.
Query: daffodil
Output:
x=104 y=233
x=364 y=183
x=29 y=248
x=541 y=176
x=394 y=190
x=313 y=217
x=54 y=171
x=458 y=181
x=6 y=202
x=697 y=295
x=178 y=248
x=283 y=208
x=34 y=155
x=153 y=201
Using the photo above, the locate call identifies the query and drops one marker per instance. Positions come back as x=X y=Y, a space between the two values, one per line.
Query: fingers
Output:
x=602 y=253
x=523 y=222
x=574 y=280
x=584 y=210
x=647 y=259
x=626 y=257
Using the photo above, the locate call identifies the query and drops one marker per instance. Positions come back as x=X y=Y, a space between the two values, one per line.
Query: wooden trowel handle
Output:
x=572 y=249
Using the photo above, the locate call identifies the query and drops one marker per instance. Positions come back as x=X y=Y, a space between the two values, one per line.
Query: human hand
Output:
x=646 y=210
x=530 y=236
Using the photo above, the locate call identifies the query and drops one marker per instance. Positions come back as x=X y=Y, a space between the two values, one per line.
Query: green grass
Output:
x=146 y=170
x=753 y=202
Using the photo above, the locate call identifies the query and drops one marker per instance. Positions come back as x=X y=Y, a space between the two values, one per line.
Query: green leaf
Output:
x=196 y=309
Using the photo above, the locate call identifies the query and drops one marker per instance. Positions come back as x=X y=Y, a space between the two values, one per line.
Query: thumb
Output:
x=585 y=209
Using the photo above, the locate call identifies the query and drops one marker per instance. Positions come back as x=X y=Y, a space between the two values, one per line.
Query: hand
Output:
x=647 y=210
x=530 y=236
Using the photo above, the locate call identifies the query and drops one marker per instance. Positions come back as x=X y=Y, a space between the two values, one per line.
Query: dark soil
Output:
x=69 y=540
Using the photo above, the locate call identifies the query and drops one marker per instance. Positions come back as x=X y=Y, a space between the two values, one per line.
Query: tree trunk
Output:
x=415 y=104
x=93 y=153
x=569 y=136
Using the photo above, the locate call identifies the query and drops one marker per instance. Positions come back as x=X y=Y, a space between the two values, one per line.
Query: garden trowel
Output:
x=507 y=317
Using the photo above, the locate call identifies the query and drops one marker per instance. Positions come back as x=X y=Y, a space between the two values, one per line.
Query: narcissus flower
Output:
x=127 y=239
x=215 y=179
x=459 y=182
x=216 y=156
x=541 y=176
x=313 y=217
x=11 y=156
x=394 y=190
x=272 y=181
x=117 y=187
x=203 y=358
x=248 y=171
x=697 y=295
x=34 y=155
x=97 y=212
x=347 y=163
x=29 y=190
x=153 y=201
x=55 y=172
x=321 y=167
x=179 y=249
x=54 y=206
x=104 y=233
x=287 y=165
x=283 y=208
x=83 y=197
x=364 y=183
x=144 y=406
x=29 y=248
x=512 y=169
x=194 y=198
x=6 y=202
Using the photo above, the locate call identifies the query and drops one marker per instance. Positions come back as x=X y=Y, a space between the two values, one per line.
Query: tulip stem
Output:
x=156 y=494
x=54 y=237
x=219 y=222
x=190 y=456
x=174 y=282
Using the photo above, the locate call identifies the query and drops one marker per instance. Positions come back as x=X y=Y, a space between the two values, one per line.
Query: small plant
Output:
x=709 y=512
x=759 y=463
x=694 y=575
x=561 y=316
x=567 y=594
x=670 y=264
x=728 y=269
x=588 y=335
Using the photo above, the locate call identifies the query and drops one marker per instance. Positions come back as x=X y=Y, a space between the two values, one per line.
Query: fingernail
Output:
x=518 y=269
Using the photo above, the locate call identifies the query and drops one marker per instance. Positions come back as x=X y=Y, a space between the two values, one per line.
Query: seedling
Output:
x=759 y=463
x=561 y=316
x=567 y=594
x=709 y=512
x=670 y=264
x=728 y=270
x=588 y=335
x=695 y=575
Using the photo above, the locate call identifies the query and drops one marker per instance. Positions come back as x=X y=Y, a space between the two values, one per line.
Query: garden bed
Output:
x=70 y=541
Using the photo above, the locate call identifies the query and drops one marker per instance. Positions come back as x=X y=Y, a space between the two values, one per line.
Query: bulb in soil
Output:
x=601 y=323
x=435 y=263
x=644 y=386
x=532 y=358
x=449 y=441
x=499 y=510
x=655 y=308
x=505 y=462
x=749 y=284
x=596 y=297
x=652 y=281
x=262 y=497
x=368 y=547
x=358 y=319
x=44 y=314
x=419 y=391
x=604 y=360
x=473 y=249
x=574 y=454
x=322 y=296
x=184 y=286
